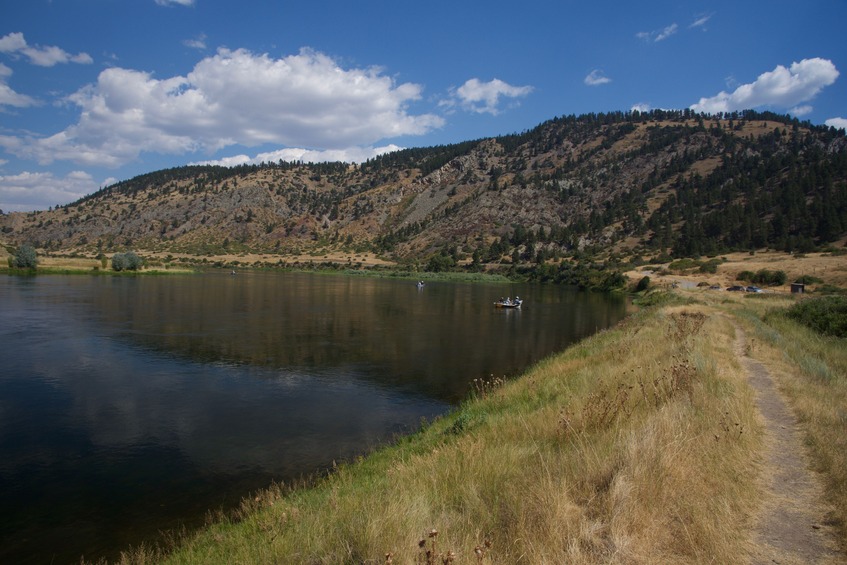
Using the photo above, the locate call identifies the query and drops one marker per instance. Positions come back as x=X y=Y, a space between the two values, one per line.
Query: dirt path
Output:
x=790 y=527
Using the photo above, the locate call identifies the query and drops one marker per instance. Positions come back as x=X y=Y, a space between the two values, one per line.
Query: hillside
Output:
x=664 y=182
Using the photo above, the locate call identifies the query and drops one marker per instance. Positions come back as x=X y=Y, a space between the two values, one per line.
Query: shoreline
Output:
x=555 y=443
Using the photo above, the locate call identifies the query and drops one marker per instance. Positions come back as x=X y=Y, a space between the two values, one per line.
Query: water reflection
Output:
x=131 y=405
x=435 y=340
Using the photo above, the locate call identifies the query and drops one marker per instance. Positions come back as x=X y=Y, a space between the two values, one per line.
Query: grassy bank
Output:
x=636 y=445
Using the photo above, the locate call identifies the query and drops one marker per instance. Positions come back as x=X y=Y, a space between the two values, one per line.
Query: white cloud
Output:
x=640 y=107
x=801 y=110
x=14 y=43
x=233 y=97
x=9 y=97
x=172 y=2
x=198 y=42
x=291 y=154
x=659 y=35
x=701 y=21
x=596 y=78
x=666 y=32
x=782 y=87
x=37 y=191
x=484 y=97
x=838 y=123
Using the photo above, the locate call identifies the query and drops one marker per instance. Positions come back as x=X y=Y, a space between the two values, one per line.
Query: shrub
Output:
x=128 y=261
x=808 y=279
x=772 y=278
x=745 y=276
x=440 y=262
x=683 y=265
x=643 y=284
x=612 y=281
x=763 y=276
x=710 y=266
x=826 y=315
x=119 y=262
x=25 y=257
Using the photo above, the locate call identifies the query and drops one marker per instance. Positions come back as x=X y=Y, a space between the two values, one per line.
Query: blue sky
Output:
x=97 y=91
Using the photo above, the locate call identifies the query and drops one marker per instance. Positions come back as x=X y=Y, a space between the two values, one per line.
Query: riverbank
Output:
x=640 y=444
x=63 y=265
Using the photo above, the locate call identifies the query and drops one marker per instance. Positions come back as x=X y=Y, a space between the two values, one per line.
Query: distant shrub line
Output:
x=763 y=276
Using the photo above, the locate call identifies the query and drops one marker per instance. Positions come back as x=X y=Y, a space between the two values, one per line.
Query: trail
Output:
x=790 y=527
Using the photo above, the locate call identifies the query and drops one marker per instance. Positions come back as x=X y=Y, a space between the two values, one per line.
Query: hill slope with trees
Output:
x=659 y=183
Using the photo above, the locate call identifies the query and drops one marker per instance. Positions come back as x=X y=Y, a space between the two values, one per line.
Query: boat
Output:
x=508 y=303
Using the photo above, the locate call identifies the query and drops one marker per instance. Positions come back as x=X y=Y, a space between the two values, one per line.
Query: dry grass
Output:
x=811 y=371
x=832 y=269
x=51 y=263
x=632 y=447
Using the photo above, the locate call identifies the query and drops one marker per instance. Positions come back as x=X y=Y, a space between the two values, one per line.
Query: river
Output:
x=132 y=405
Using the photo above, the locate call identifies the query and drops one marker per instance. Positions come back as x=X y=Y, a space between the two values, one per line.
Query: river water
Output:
x=132 y=405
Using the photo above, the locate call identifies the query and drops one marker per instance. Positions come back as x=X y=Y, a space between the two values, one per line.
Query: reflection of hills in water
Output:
x=436 y=340
x=103 y=444
x=227 y=382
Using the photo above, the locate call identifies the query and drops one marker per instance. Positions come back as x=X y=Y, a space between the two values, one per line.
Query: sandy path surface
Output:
x=790 y=527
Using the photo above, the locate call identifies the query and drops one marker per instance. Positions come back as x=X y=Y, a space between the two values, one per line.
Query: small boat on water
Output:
x=508 y=303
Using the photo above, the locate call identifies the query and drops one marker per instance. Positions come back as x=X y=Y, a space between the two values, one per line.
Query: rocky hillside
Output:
x=664 y=181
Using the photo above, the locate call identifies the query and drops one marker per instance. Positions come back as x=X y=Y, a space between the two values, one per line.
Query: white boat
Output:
x=508 y=303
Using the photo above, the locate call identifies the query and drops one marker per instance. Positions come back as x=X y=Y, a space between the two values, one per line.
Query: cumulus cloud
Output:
x=640 y=107
x=292 y=154
x=838 y=123
x=37 y=191
x=658 y=35
x=233 y=97
x=484 y=97
x=782 y=87
x=596 y=78
x=9 y=97
x=15 y=44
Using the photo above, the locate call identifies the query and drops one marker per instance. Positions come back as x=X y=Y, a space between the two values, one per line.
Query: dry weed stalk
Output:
x=735 y=430
x=481 y=550
x=685 y=324
x=430 y=555
x=483 y=388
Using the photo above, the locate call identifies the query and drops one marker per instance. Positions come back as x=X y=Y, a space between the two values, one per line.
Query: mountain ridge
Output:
x=670 y=182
